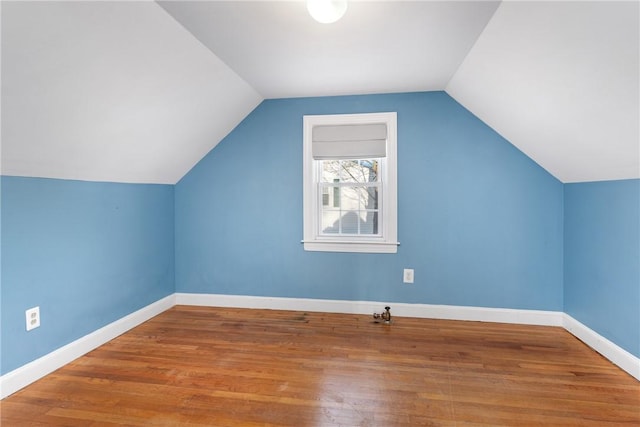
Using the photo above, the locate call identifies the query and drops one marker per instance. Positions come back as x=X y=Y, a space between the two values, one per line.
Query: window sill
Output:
x=351 y=246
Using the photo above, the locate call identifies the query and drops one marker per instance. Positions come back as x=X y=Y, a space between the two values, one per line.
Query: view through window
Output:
x=350 y=196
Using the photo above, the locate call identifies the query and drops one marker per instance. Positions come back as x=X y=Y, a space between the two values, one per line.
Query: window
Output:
x=350 y=183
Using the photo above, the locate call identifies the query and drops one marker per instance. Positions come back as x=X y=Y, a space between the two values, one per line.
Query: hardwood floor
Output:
x=235 y=367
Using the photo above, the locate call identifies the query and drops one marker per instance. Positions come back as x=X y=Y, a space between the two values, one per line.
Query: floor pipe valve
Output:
x=385 y=315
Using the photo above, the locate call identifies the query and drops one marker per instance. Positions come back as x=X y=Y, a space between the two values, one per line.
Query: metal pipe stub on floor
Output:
x=384 y=316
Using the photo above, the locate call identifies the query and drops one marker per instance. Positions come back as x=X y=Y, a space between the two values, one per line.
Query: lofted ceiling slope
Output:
x=560 y=80
x=110 y=91
x=141 y=91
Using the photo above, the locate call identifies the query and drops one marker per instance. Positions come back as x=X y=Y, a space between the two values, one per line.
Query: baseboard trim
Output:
x=614 y=353
x=33 y=371
x=427 y=311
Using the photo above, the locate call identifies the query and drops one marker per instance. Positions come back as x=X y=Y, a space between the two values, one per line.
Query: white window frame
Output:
x=387 y=241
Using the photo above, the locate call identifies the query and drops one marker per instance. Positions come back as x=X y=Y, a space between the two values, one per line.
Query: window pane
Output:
x=360 y=198
x=358 y=170
x=350 y=170
x=350 y=198
x=330 y=222
x=350 y=222
x=370 y=198
x=370 y=225
x=371 y=166
x=331 y=171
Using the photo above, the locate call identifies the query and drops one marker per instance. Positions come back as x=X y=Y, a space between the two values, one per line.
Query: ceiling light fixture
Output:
x=326 y=11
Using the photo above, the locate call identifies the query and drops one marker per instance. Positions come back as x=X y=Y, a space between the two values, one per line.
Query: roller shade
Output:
x=363 y=141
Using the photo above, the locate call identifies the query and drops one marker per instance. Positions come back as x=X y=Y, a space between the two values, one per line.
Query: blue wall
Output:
x=602 y=259
x=87 y=253
x=479 y=222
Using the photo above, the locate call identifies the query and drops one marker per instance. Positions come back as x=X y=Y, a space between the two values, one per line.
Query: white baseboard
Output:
x=616 y=354
x=427 y=311
x=33 y=371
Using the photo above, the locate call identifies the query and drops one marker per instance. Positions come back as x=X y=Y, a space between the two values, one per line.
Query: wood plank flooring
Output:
x=201 y=366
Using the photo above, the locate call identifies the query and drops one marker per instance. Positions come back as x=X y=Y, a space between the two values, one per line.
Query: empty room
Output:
x=320 y=213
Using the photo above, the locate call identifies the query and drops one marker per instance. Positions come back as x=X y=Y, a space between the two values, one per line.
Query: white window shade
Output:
x=359 y=141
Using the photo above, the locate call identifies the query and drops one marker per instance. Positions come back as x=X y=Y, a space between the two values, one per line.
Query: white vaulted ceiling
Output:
x=110 y=91
x=376 y=47
x=560 y=80
x=140 y=91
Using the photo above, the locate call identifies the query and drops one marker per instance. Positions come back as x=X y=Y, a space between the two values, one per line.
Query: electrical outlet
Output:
x=407 y=275
x=33 y=318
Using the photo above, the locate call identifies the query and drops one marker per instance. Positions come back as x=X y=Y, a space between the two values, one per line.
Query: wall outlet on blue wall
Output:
x=407 y=275
x=33 y=318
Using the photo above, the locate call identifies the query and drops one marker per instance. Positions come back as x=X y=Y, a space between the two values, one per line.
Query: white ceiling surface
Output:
x=109 y=91
x=380 y=46
x=122 y=91
x=560 y=80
